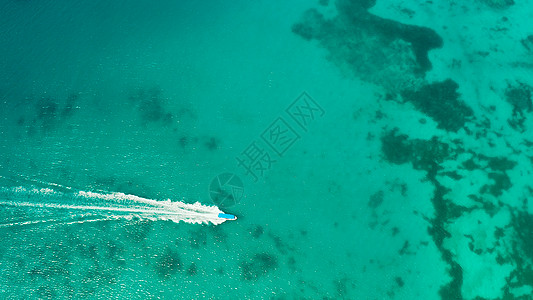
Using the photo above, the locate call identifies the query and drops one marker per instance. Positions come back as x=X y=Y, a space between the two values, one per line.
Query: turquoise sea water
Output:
x=376 y=149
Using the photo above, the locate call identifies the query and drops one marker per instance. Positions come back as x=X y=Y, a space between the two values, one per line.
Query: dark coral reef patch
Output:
x=260 y=264
x=150 y=106
x=168 y=263
x=374 y=49
x=441 y=102
x=519 y=97
x=48 y=114
x=498 y=4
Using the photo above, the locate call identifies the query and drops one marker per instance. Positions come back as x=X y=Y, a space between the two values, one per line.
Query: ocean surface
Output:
x=369 y=149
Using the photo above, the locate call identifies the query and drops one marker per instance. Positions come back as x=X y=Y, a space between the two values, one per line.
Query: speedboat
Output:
x=227 y=216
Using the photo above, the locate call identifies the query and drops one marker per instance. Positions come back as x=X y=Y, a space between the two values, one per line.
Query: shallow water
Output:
x=370 y=150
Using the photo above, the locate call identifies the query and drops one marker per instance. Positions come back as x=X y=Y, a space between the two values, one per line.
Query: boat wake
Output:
x=59 y=204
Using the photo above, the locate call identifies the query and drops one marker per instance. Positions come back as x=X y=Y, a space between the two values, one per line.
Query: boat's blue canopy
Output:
x=226 y=216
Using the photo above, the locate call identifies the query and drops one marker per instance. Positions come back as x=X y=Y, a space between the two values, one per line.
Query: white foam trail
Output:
x=58 y=221
x=107 y=205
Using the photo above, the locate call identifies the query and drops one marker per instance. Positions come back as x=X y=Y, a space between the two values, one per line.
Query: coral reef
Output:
x=498 y=4
x=48 y=114
x=441 y=102
x=150 y=106
x=374 y=49
x=260 y=264
x=168 y=264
